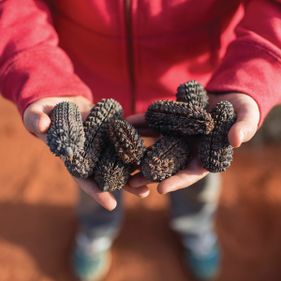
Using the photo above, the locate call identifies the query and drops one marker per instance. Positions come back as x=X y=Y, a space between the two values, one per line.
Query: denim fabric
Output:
x=98 y=227
x=192 y=213
x=193 y=208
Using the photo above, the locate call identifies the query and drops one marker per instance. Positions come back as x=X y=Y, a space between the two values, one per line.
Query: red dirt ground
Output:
x=37 y=219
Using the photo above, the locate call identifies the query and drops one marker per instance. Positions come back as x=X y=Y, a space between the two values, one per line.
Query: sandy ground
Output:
x=37 y=218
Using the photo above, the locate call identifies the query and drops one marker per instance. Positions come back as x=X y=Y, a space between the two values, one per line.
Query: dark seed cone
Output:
x=66 y=139
x=224 y=116
x=215 y=152
x=95 y=126
x=179 y=118
x=128 y=143
x=165 y=158
x=111 y=173
x=215 y=160
x=193 y=93
x=66 y=130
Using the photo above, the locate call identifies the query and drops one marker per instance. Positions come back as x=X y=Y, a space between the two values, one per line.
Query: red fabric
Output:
x=170 y=42
x=252 y=64
x=32 y=65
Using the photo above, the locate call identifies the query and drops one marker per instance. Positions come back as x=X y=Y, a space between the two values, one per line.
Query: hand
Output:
x=37 y=121
x=248 y=116
x=36 y=116
x=242 y=131
x=139 y=123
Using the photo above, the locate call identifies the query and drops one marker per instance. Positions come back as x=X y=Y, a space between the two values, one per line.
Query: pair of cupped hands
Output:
x=37 y=121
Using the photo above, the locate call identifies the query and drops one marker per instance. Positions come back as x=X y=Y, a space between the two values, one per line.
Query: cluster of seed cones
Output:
x=187 y=127
x=107 y=149
x=104 y=147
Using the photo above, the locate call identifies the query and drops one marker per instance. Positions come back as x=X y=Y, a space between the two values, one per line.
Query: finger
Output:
x=137 y=120
x=248 y=116
x=183 y=178
x=241 y=132
x=138 y=180
x=37 y=123
x=244 y=128
x=142 y=191
x=105 y=199
x=146 y=132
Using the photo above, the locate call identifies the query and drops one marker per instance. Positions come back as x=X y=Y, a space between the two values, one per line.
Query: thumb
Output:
x=37 y=122
x=244 y=129
x=248 y=116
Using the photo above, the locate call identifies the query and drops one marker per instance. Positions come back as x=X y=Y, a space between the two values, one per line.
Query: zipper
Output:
x=130 y=53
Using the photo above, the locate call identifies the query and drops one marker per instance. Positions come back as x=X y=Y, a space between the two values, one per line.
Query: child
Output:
x=137 y=52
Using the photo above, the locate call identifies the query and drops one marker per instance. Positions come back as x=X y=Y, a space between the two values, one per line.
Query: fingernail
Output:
x=44 y=124
x=239 y=140
x=39 y=124
x=113 y=206
x=144 y=195
x=242 y=136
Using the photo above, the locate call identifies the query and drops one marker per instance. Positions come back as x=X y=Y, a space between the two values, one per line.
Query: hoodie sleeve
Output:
x=32 y=66
x=252 y=64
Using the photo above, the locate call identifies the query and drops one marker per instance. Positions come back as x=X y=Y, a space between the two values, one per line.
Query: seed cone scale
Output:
x=127 y=142
x=216 y=160
x=80 y=166
x=179 y=118
x=111 y=173
x=192 y=92
x=165 y=158
x=215 y=152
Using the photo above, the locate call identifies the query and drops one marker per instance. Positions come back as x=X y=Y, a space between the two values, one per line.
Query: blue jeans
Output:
x=192 y=213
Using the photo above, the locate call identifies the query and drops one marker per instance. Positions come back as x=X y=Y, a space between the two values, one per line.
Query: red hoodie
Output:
x=139 y=51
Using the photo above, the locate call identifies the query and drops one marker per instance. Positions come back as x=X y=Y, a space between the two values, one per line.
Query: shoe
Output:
x=90 y=266
x=203 y=256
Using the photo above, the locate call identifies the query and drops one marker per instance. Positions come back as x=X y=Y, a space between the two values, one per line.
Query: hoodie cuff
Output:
x=251 y=69
x=39 y=73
